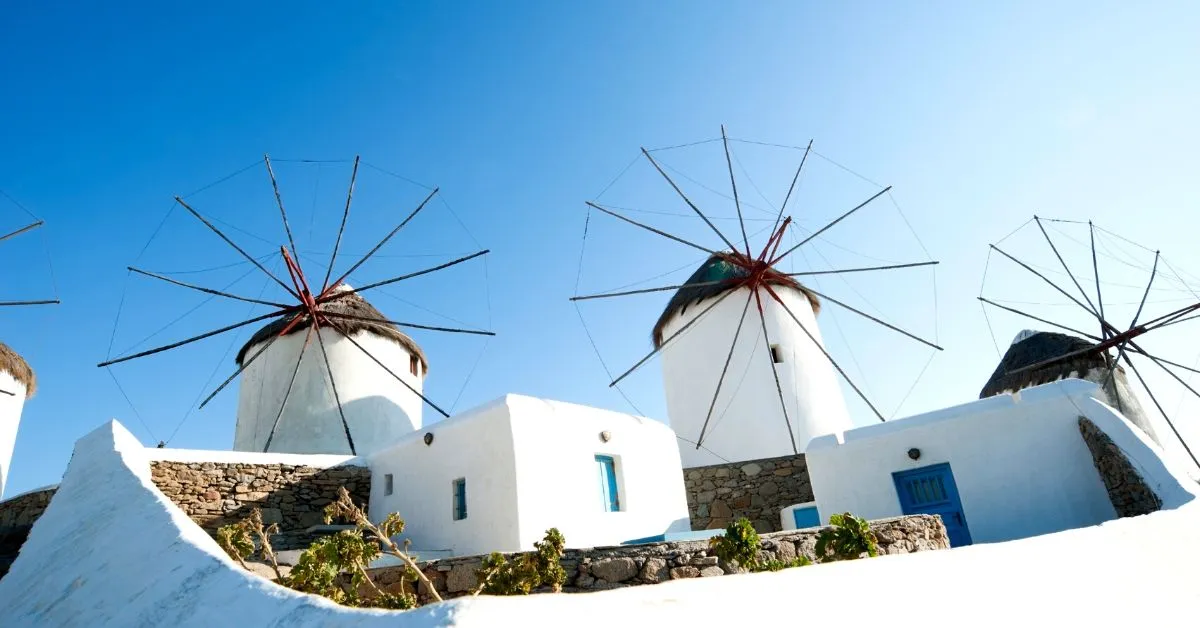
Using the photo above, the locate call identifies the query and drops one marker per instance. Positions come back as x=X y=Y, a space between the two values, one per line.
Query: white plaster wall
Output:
x=10 y=421
x=787 y=520
x=530 y=465
x=558 y=477
x=753 y=424
x=378 y=408
x=112 y=550
x=1019 y=462
x=476 y=445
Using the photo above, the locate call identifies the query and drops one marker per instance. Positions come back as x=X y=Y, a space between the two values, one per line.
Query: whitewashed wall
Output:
x=476 y=445
x=378 y=408
x=558 y=478
x=1019 y=462
x=529 y=465
x=753 y=424
x=112 y=550
x=10 y=421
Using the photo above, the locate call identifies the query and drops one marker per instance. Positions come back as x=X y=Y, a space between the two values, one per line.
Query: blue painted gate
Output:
x=931 y=491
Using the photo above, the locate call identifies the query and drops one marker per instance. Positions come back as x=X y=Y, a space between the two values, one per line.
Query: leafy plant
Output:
x=334 y=566
x=237 y=539
x=848 y=538
x=526 y=572
x=779 y=565
x=392 y=525
x=738 y=545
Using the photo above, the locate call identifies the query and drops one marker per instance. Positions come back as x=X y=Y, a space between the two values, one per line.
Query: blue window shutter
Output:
x=608 y=483
x=807 y=517
x=460 y=499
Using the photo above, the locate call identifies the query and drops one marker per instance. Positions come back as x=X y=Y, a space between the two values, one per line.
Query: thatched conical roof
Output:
x=347 y=303
x=716 y=268
x=12 y=363
x=1033 y=347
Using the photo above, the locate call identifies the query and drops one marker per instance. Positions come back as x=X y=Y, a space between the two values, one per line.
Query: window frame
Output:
x=458 y=499
x=610 y=482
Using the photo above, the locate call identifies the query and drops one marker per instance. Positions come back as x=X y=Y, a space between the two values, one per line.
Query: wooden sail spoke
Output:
x=689 y=202
x=279 y=201
x=206 y=290
x=875 y=319
x=861 y=269
x=736 y=200
x=341 y=229
x=792 y=187
x=651 y=229
x=605 y=295
x=762 y=317
x=829 y=226
x=393 y=280
x=368 y=319
x=840 y=371
x=673 y=336
x=29 y=227
x=725 y=369
x=332 y=383
x=236 y=247
x=241 y=367
x=383 y=241
x=287 y=394
x=389 y=371
x=210 y=334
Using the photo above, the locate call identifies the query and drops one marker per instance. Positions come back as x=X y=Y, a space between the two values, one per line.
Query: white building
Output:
x=378 y=408
x=748 y=420
x=17 y=383
x=1006 y=467
x=497 y=477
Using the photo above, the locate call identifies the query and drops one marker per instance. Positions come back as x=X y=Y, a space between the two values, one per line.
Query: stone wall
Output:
x=754 y=489
x=214 y=494
x=631 y=565
x=17 y=516
x=1128 y=492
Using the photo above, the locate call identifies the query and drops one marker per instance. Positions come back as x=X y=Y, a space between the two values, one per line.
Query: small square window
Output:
x=414 y=365
x=776 y=354
x=387 y=484
x=460 y=499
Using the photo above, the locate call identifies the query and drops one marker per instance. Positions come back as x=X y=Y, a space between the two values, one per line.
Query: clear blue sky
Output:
x=980 y=116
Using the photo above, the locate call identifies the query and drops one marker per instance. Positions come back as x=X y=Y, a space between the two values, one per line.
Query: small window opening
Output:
x=414 y=364
x=460 y=499
x=387 y=484
x=776 y=354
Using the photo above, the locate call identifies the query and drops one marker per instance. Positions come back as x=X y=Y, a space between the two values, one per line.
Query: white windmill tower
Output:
x=17 y=380
x=788 y=394
x=350 y=383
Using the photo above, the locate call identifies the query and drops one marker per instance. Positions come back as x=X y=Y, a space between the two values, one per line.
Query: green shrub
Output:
x=526 y=572
x=779 y=565
x=739 y=545
x=848 y=538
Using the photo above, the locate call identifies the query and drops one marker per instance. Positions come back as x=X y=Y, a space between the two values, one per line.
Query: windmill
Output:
x=314 y=304
x=1094 y=348
x=804 y=398
x=17 y=380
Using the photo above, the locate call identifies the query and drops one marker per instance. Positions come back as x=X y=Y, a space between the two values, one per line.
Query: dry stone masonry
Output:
x=214 y=494
x=1128 y=492
x=754 y=489
x=602 y=568
x=16 y=519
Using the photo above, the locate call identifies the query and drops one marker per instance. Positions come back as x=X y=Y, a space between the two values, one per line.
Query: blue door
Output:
x=931 y=491
x=608 y=483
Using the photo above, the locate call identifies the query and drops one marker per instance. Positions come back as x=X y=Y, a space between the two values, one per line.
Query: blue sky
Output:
x=979 y=116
